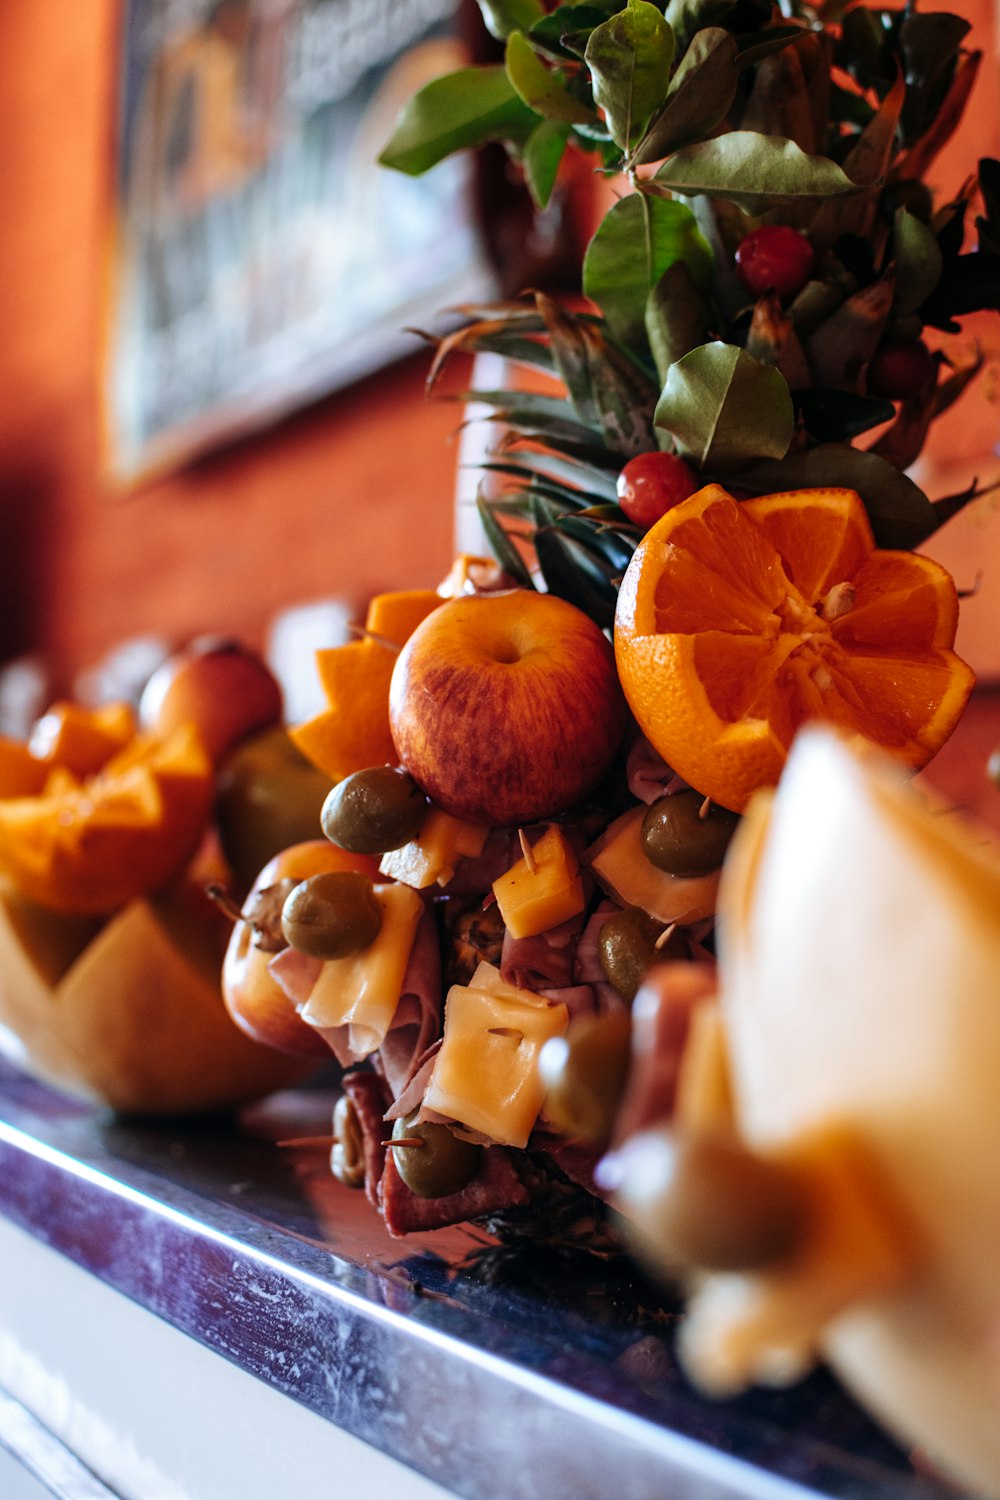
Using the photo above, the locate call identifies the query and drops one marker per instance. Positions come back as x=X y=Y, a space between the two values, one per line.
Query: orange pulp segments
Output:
x=93 y=846
x=738 y=622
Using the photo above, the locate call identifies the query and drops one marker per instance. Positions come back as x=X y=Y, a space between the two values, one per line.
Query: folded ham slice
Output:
x=416 y=1020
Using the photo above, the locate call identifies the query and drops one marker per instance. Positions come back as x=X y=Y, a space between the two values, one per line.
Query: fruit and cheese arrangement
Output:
x=525 y=877
x=541 y=933
x=114 y=821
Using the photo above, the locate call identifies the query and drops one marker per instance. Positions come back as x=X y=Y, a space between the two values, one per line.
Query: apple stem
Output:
x=224 y=901
x=526 y=850
x=380 y=640
x=665 y=936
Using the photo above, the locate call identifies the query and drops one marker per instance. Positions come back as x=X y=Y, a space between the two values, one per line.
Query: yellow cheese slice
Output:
x=532 y=898
x=363 y=989
x=621 y=868
x=486 y=1073
x=431 y=857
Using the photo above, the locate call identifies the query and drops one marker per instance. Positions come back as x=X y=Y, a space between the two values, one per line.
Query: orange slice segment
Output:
x=21 y=774
x=80 y=739
x=354 y=731
x=738 y=622
x=94 y=845
x=397 y=615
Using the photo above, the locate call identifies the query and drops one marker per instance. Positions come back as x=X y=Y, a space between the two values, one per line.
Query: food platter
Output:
x=493 y=1371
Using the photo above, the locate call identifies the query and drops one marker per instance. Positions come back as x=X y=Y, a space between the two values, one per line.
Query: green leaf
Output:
x=542 y=88
x=900 y=512
x=456 y=112
x=541 y=157
x=635 y=243
x=757 y=45
x=753 y=170
x=629 y=58
x=844 y=342
x=918 y=262
x=831 y=416
x=930 y=44
x=677 y=318
x=504 y=16
x=565 y=31
x=685 y=17
x=700 y=95
x=723 y=408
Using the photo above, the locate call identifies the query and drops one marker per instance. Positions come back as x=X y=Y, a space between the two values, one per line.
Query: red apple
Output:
x=254 y=999
x=505 y=708
x=220 y=685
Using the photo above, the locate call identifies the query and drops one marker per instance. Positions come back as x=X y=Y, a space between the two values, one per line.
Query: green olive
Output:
x=710 y=1203
x=331 y=915
x=374 y=810
x=684 y=834
x=437 y=1162
x=584 y=1073
x=626 y=947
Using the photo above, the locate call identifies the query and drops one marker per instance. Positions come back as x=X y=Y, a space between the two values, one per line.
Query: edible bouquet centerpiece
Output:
x=703 y=539
x=588 y=978
x=525 y=936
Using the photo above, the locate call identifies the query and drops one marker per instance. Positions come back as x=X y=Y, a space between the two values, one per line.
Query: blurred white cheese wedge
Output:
x=860 y=962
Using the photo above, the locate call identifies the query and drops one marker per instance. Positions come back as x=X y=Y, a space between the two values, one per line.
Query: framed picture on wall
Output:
x=261 y=258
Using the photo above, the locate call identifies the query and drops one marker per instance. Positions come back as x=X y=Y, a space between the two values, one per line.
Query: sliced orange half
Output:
x=738 y=622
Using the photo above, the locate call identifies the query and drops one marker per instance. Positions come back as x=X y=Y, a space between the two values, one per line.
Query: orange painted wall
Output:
x=349 y=496
x=346 y=497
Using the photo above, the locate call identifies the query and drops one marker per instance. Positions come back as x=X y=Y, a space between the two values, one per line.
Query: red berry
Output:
x=775 y=258
x=900 y=368
x=653 y=483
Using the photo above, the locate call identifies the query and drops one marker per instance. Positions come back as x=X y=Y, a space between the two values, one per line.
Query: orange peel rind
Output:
x=739 y=621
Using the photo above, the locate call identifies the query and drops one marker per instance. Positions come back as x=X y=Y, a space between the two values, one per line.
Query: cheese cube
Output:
x=534 y=897
x=486 y=1073
x=362 y=990
x=621 y=867
x=432 y=855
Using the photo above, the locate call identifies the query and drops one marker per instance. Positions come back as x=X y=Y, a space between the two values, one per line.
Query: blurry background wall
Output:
x=346 y=497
